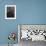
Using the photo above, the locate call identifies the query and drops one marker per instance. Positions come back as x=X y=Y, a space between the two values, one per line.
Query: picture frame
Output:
x=39 y=28
x=10 y=11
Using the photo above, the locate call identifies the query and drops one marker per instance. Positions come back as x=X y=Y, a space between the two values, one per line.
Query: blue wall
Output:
x=27 y=12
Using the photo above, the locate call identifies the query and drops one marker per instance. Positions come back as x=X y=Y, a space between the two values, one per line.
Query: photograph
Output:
x=28 y=33
x=10 y=11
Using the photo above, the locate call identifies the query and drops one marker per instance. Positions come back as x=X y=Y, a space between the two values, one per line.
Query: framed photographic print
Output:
x=10 y=11
x=33 y=32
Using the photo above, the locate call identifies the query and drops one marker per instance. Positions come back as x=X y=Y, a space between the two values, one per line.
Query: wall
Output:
x=27 y=12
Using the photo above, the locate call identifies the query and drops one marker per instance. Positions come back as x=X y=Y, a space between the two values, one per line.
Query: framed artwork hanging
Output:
x=10 y=11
